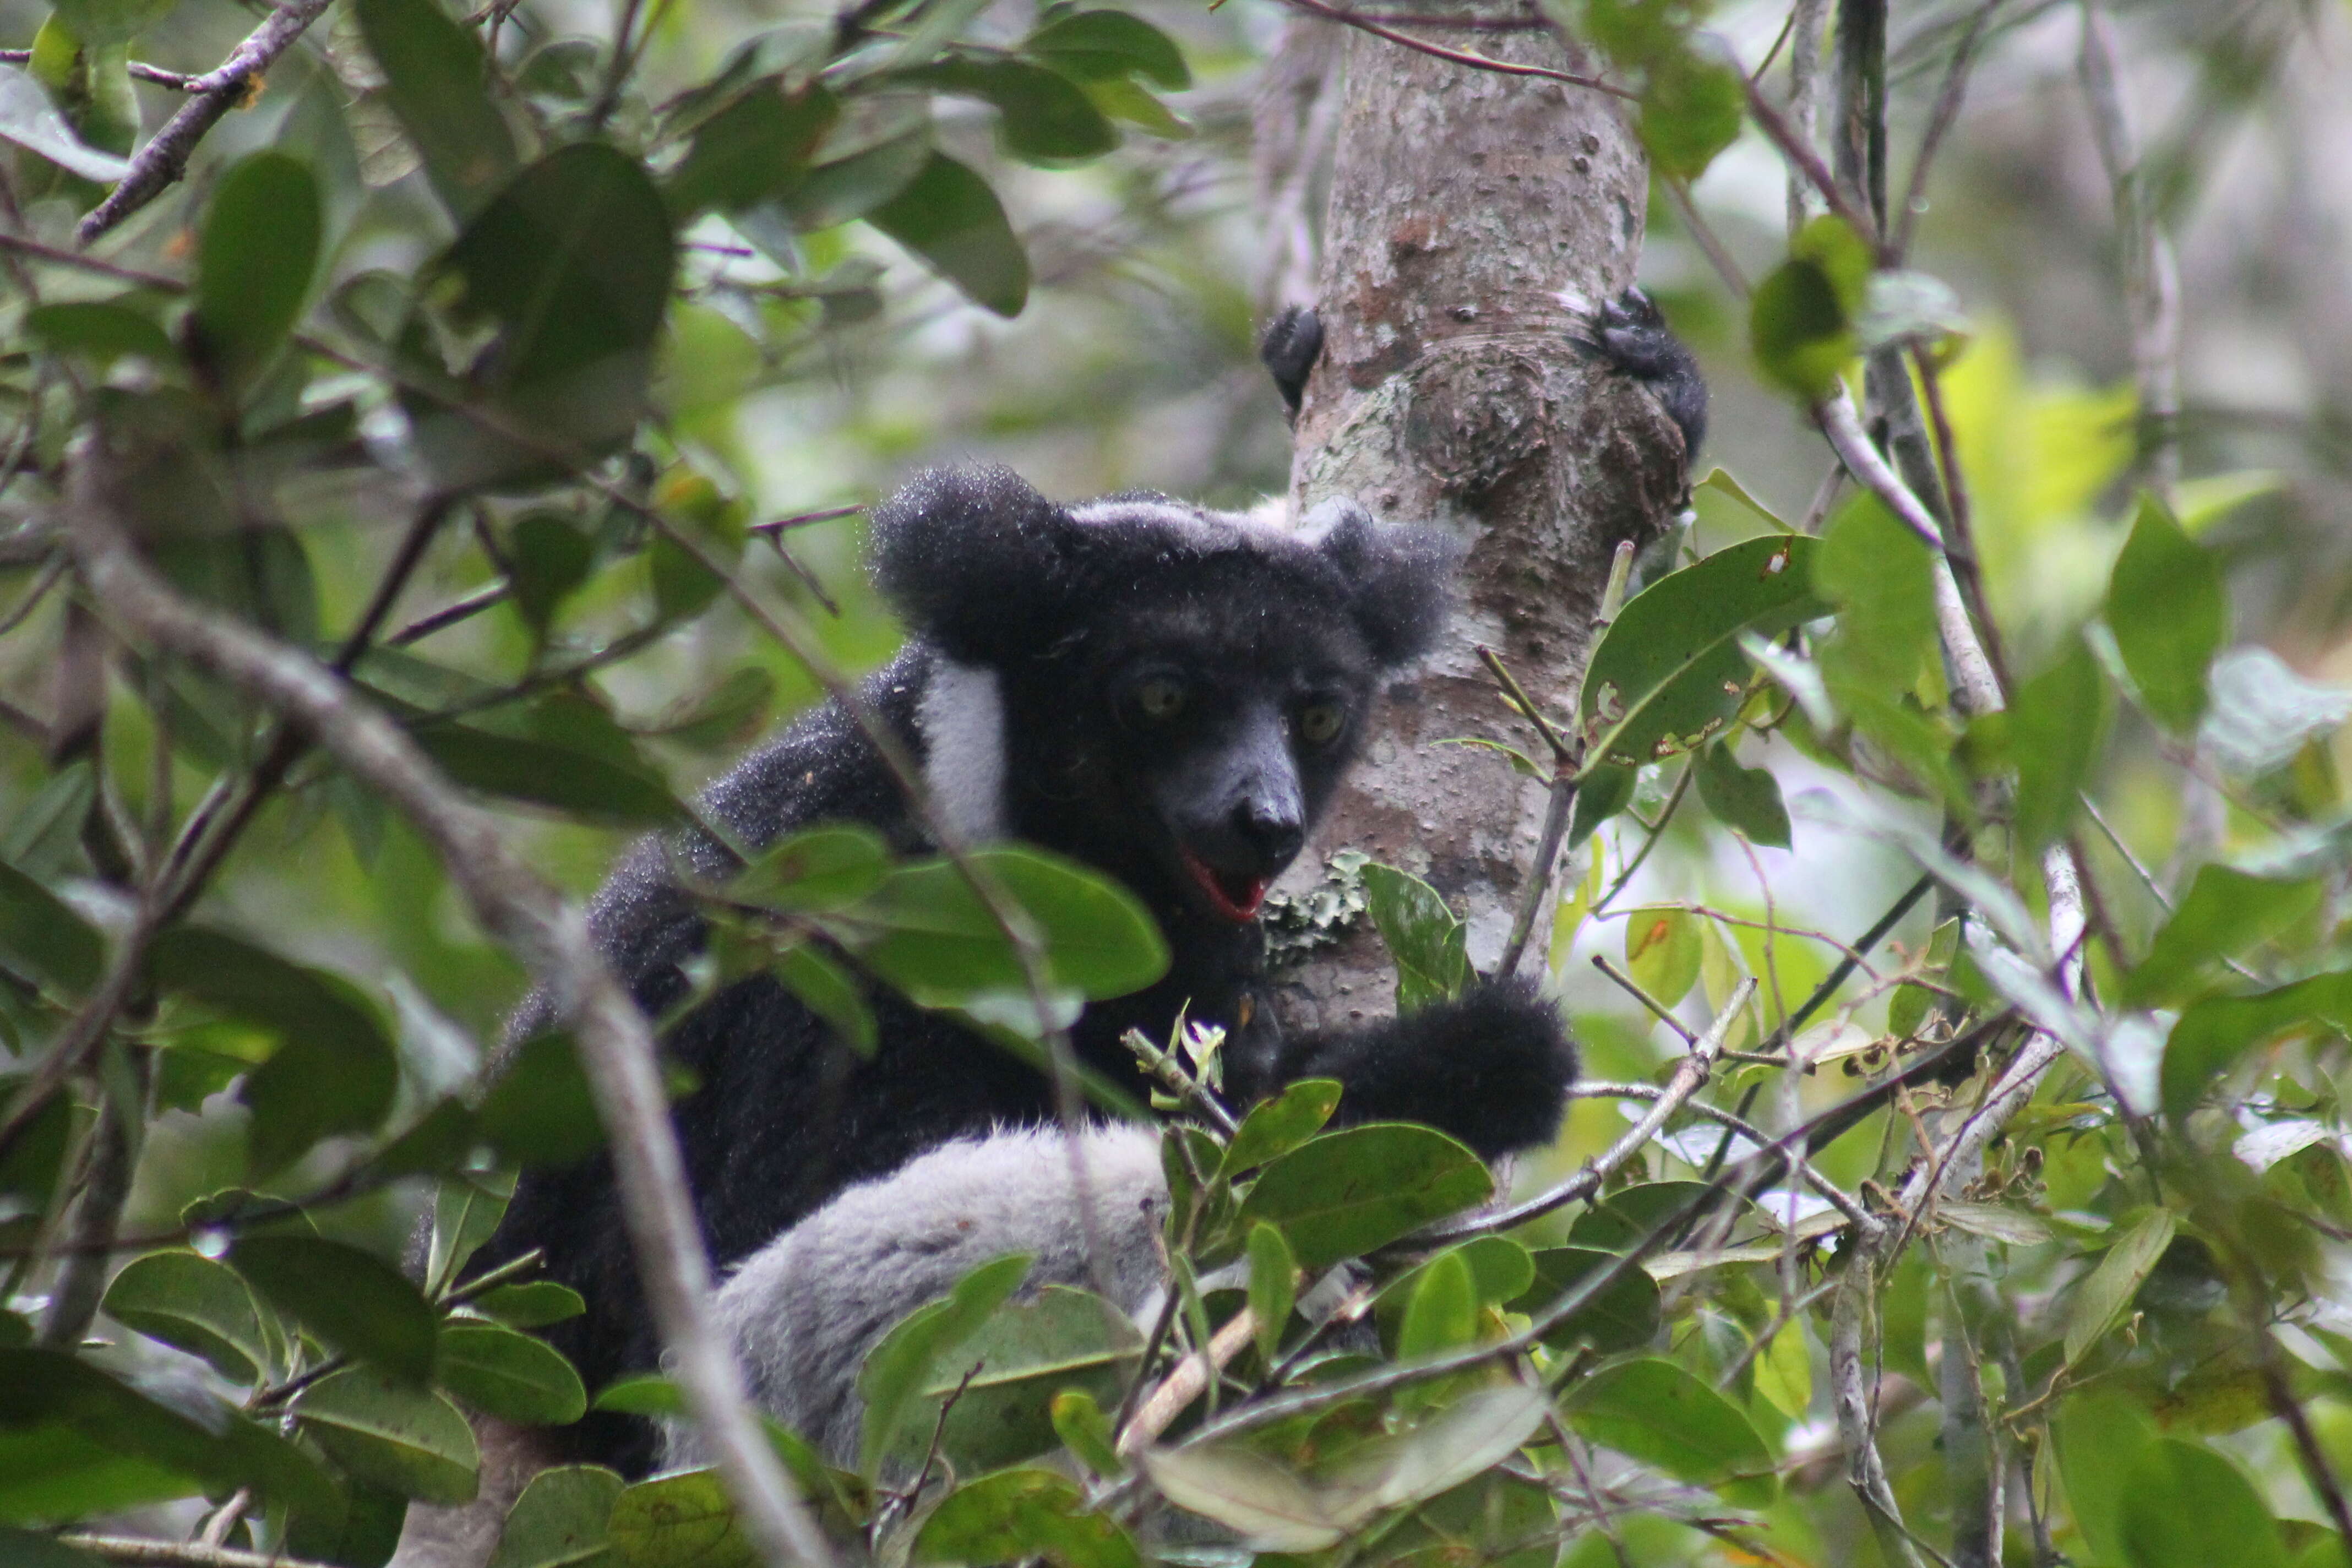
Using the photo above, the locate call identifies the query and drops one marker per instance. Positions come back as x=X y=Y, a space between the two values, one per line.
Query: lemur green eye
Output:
x=1319 y=724
x=1159 y=698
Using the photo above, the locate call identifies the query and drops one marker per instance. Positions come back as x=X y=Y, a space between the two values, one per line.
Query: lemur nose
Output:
x=1269 y=829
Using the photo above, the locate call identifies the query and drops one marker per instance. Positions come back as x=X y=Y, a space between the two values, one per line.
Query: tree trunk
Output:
x=1472 y=213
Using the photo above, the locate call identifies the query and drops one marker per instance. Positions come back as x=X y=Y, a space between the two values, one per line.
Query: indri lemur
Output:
x=1166 y=693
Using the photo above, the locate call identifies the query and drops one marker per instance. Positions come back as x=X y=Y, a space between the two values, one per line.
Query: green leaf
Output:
x=1346 y=1193
x=1094 y=45
x=2168 y=614
x=1007 y=1372
x=1429 y=944
x=2057 y=728
x=1655 y=1412
x=752 y=149
x=1085 y=1430
x=547 y=558
x=1443 y=1313
x=105 y=330
x=1801 y=322
x=1043 y=116
x=1668 y=673
x=571 y=262
x=561 y=1520
x=1881 y=578
x=951 y=219
x=2225 y=914
x=1691 y=111
x=933 y=939
x=510 y=1375
x=2264 y=714
x=335 y=1069
x=647 y=1394
x=530 y=1304
x=891 y=1382
x=814 y=870
x=1747 y=799
x=2213 y=1033
x=1624 y=1316
x=683 y=1521
x=540 y=1110
x=851 y=187
x=22 y=1549
x=254 y=261
x=410 y=1440
x=1019 y=1515
x=43 y=939
x=435 y=72
x=551 y=775
x=1274 y=1127
x=30 y=118
x=2187 y=1507
x=1663 y=952
x=830 y=993
x=1272 y=1287
x=1784 y=1370
x=1258 y=1498
x=2098 y=1437
x=352 y=1301
x=192 y=1303
x=2101 y=1299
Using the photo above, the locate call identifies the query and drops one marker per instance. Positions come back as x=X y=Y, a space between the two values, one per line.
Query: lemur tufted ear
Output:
x=969 y=557
x=1401 y=578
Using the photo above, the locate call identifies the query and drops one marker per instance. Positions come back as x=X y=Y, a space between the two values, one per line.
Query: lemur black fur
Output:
x=1169 y=694
x=1630 y=333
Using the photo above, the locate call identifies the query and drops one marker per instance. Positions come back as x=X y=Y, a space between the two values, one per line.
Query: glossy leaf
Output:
x=1623 y=1316
x=682 y=1520
x=1801 y=318
x=254 y=261
x=1656 y=1412
x=29 y=118
x=951 y=219
x=1261 y=1499
x=437 y=73
x=1085 y=1430
x=1747 y=799
x=1662 y=951
x=2226 y=914
x=2212 y=1034
x=814 y=870
x=510 y=1375
x=1093 y=45
x=2103 y=1297
x=1043 y=116
x=352 y=1301
x=2057 y=729
x=1020 y=1515
x=335 y=1069
x=935 y=940
x=1422 y=935
x=2168 y=614
x=392 y=1435
x=1002 y=1378
x=562 y=1520
x=1272 y=1287
x=533 y=1304
x=830 y=993
x=1443 y=1313
x=2187 y=1507
x=1346 y=1193
x=43 y=939
x=892 y=1381
x=752 y=149
x=1669 y=673
x=1274 y=1127
x=195 y=1304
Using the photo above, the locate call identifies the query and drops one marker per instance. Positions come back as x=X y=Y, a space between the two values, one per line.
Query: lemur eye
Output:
x=1160 y=697
x=1319 y=724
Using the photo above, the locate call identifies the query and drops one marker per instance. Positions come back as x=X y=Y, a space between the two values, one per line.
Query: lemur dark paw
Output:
x=1292 y=343
x=1630 y=334
x=1509 y=1062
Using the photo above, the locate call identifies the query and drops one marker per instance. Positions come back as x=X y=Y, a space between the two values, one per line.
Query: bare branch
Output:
x=615 y=1042
x=138 y=1550
x=1459 y=57
x=155 y=166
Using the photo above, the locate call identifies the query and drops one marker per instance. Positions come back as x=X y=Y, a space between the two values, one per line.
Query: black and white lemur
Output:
x=1166 y=693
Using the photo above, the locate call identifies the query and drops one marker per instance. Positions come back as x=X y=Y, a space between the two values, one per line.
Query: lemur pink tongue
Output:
x=1237 y=901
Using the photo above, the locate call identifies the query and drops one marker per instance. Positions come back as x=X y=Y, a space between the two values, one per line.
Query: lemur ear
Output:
x=969 y=556
x=1401 y=578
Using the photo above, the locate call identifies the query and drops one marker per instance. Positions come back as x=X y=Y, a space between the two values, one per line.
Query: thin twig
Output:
x=1807 y=160
x=138 y=1550
x=1186 y=1381
x=1633 y=988
x=1939 y=124
x=451 y=613
x=803 y=518
x=614 y=1039
x=165 y=158
x=1656 y=831
x=1459 y=57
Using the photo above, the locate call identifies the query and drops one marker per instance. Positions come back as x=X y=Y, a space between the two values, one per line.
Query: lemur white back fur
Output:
x=803 y=1311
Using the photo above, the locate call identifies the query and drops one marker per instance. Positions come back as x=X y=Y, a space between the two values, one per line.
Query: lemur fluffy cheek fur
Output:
x=1168 y=694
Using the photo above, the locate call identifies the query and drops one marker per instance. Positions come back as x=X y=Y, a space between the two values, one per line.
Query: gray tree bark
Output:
x=1472 y=213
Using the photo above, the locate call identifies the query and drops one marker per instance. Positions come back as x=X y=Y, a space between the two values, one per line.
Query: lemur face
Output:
x=1213 y=731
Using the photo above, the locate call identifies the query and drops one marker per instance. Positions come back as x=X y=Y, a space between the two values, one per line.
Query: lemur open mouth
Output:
x=1233 y=895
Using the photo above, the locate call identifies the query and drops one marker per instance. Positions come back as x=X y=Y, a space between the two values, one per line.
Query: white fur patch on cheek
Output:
x=962 y=717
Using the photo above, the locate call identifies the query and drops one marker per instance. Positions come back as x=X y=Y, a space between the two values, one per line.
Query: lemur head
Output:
x=1170 y=693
